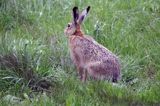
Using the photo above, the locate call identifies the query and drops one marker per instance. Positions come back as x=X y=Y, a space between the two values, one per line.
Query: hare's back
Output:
x=92 y=50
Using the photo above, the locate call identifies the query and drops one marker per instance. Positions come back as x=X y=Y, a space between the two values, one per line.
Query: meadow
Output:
x=35 y=65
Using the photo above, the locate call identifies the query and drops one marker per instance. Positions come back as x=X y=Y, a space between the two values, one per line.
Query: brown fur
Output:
x=90 y=57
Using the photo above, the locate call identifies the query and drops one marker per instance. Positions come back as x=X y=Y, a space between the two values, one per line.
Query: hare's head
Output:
x=73 y=28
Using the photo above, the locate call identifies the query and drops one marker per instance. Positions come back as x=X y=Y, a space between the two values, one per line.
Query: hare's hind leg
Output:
x=103 y=71
x=92 y=71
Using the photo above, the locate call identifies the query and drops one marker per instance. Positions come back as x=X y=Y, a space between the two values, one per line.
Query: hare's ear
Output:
x=75 y=14
x=83 y=15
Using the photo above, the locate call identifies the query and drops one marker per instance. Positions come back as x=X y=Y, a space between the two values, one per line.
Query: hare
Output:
x=90 y=57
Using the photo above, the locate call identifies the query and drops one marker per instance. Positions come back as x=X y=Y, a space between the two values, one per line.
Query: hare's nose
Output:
x=68 y=25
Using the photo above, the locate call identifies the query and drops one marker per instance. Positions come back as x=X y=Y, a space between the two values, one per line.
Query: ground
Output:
x=34 y=49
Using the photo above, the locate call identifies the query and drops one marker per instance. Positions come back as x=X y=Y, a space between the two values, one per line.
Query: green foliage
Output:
x=33 y=32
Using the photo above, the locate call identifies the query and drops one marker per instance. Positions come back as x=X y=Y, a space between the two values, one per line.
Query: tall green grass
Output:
x=33 y=30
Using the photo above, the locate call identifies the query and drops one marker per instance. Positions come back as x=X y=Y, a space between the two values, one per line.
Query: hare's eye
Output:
x=69 y=25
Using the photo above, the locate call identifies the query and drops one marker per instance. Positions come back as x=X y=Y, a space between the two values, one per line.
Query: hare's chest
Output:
x=75 y=50
x=76 y=55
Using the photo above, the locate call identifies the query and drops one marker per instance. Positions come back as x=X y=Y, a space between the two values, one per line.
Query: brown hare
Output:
x=89 y=56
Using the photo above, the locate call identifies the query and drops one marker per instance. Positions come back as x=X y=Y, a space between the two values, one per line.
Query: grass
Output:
x=33 y=32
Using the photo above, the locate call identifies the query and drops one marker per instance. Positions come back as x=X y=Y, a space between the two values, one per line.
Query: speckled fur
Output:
x=90 y=57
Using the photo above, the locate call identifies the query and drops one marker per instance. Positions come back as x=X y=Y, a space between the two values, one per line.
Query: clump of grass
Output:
x=16 y=71
x=18 y=68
